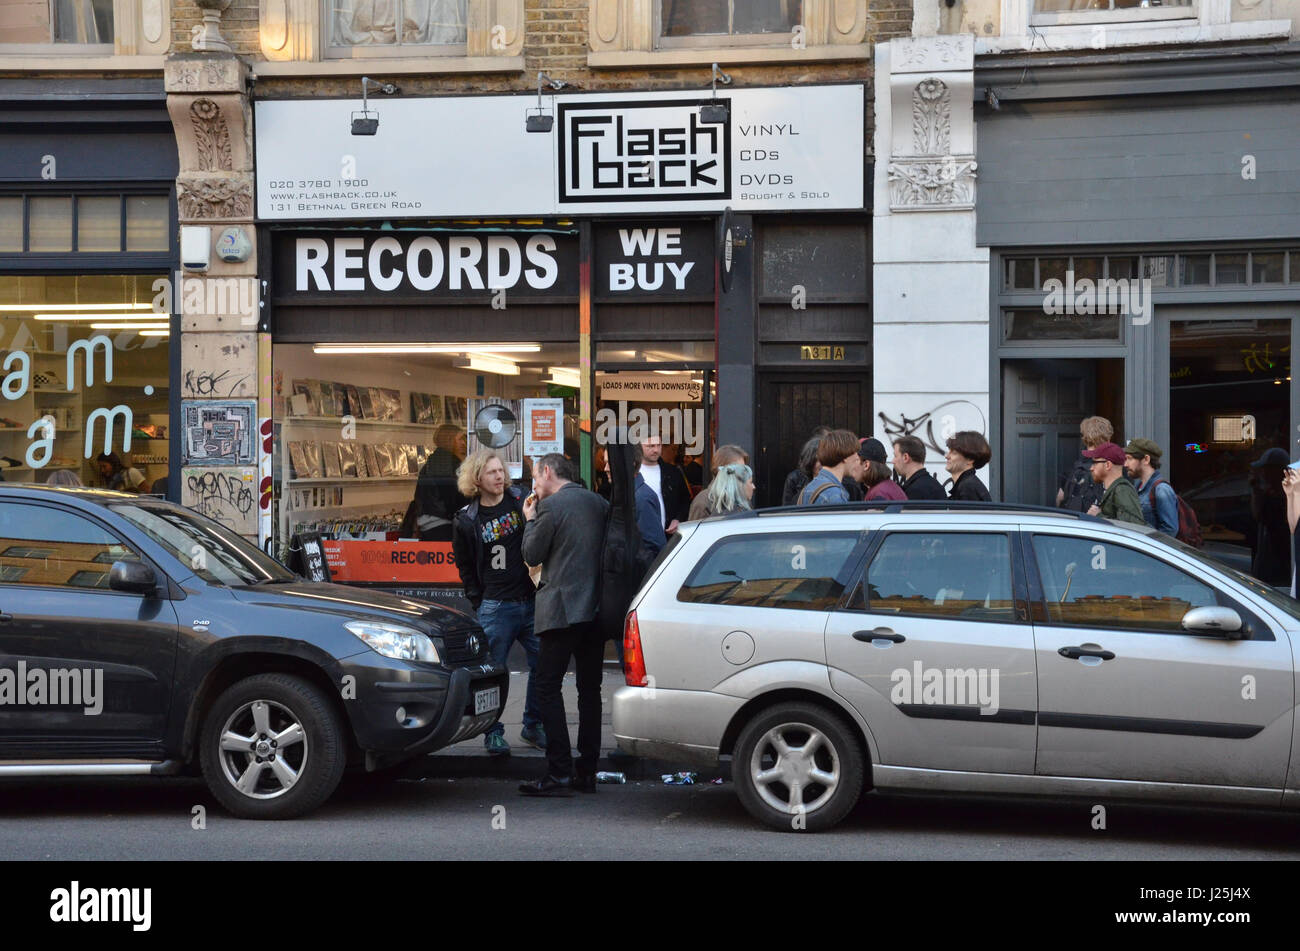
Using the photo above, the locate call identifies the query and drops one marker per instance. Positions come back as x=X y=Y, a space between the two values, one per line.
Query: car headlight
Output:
x=395 y=640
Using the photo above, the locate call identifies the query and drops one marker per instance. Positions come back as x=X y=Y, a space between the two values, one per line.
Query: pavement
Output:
x=471 y=759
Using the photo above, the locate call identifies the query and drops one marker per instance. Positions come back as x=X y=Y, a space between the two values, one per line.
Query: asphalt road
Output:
x=439 y=818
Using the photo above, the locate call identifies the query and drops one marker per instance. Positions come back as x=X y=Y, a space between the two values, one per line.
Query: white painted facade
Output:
x=930 y=281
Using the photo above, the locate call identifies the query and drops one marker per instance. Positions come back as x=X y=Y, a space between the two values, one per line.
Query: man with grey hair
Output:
x=564 y=533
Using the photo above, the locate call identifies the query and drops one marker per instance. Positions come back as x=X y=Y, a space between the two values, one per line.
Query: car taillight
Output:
x=633 y=658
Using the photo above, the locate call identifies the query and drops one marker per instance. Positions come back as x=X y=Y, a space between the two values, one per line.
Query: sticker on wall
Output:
x=219 y=432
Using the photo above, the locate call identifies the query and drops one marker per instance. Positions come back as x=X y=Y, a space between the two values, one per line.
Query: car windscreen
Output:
x=214 y=552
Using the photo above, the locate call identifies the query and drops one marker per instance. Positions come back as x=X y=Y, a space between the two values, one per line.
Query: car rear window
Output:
x=780 y=570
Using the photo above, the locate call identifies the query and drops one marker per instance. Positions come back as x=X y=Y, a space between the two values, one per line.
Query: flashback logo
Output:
x=75 y=904
x=642 y=151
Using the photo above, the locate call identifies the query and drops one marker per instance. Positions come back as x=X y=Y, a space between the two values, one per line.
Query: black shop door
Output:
x=790 y=407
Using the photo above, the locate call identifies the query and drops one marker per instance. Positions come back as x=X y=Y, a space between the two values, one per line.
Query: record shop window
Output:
x=370 y=438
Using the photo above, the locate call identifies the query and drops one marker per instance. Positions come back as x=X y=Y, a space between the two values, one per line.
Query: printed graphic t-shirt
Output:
x=501 y=530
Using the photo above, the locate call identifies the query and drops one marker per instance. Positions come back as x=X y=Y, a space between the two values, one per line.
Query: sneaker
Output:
x=497 y=745
x=534 y=737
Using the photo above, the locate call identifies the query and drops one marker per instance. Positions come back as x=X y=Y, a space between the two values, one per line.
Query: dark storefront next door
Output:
x=790 y=407
x=1043 y=402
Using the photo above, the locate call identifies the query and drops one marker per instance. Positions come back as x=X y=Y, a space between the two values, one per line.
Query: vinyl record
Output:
x=495 y=426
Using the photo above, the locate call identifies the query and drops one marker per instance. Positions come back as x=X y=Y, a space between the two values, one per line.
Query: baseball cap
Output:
x=1272 y=457
x=1137 y=448
x=872 y=449
x=1108 y=451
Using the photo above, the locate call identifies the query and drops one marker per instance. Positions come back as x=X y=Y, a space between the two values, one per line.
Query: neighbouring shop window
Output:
x=685 y=18
x=1085 y=11
x=1229 y=442
x=369 y=439
x=396 y=23
x=85 y=375
x=56 y=21
x=84 y=223
x=1024 y=324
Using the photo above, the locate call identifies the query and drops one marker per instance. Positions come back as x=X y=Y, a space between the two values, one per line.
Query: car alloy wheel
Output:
x=263 y=749
x=798 y=766
x=795 y=768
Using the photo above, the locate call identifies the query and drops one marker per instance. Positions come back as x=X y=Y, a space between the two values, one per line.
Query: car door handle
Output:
x=879 y=634
x=1076 y=652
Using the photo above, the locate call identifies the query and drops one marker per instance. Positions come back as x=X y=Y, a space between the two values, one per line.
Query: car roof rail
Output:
x=894 y=507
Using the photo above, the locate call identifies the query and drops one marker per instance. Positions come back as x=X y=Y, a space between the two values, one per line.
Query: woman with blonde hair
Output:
x=731 y=489
x=487 y=545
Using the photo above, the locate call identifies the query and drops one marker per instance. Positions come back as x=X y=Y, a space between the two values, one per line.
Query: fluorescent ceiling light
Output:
x=564 y=376
x=132 y=325
x=48 y=307
x=76 y=317
x=326 y=348
x=154 y=333
x=488 y=365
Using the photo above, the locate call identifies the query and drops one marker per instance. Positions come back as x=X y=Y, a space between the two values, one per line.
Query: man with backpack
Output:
x=1079 y=491
x=1157 y=497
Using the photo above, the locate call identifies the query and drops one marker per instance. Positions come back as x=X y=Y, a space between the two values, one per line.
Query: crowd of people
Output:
x=555 y=570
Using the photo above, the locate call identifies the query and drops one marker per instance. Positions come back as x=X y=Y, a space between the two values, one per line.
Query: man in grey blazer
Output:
x=565 y=533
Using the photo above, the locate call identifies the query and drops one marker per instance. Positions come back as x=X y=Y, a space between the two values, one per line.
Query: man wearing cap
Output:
x=1157 y=497
x=1120 y=500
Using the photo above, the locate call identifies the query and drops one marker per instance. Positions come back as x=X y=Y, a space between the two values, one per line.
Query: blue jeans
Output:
x=504 y=622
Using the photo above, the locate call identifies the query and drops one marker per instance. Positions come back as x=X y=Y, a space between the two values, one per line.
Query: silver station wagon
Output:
x=958 y=647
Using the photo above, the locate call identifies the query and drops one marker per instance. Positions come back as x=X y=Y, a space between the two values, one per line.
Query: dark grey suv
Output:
x=137 y=637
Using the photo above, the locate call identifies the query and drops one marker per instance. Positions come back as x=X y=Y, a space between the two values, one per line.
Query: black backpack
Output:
x=1081 y=492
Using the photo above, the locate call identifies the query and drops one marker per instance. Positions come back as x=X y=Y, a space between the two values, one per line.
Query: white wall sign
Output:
x=543 y=427
x=651 y=387
x=785 y=149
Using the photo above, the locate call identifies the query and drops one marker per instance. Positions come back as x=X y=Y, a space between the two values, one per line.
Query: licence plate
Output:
x=485 y=701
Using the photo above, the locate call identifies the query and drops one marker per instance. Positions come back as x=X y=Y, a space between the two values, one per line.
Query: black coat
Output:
x=468 y=549
x=922 y=485
x=794 y=484
x=677 y=494
x=623 y=561
x=969 y=488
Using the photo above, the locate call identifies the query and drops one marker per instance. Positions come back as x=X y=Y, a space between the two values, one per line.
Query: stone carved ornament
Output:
x=920 y=54
x=933 y=178
x=211 y=136
x=201 y=198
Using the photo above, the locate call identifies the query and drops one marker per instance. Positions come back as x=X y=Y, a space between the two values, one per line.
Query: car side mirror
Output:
x=1224 y=622
x=133 y=576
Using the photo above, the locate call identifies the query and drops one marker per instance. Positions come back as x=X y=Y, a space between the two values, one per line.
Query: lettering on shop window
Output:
x=18 y=381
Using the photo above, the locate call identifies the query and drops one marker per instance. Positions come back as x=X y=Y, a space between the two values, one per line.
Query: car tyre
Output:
x=797 y=767
x=295 y=753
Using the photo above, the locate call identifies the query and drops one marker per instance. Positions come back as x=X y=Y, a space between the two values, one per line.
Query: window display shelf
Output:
x=337 y=420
